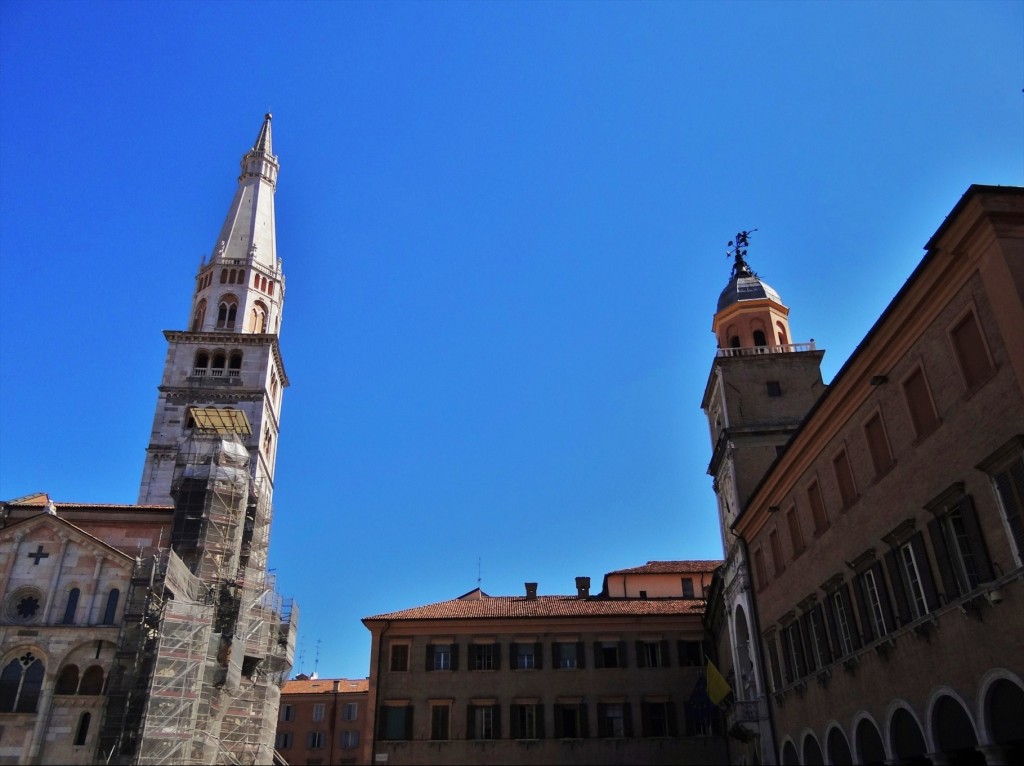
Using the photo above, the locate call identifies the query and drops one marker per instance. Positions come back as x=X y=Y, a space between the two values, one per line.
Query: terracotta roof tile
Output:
x=671 y=567
x=325 y=686
x=543 y=606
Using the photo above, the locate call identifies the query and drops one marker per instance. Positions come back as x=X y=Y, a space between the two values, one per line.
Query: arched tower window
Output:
x=217 y=370
x=258 y=319
x=201 y=363
x=111 y=610
x=783 y=339
x=235 y=364
x=759 y=339
x=734 y=341
x=226 y=313
x=223 y=276
x=67 y=681
x=72 y=606
x=92 y=681
x=199 y=317
x=20 y=684
x=83 y=728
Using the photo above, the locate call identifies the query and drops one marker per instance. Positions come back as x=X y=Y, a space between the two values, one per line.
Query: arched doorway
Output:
x=1004 y=710
x=812 y=751
x=906 y=739
x=870 y=750
x=789 y=756
x=954 y=733
x=838 y=748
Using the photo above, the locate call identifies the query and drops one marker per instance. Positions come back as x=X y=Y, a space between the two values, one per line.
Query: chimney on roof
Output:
x=531 y=591
x=583 y=587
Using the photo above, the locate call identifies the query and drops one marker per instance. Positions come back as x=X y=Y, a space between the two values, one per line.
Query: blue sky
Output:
x=503 y=227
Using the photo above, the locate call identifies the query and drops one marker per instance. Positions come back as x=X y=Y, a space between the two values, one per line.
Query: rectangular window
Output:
x=959 y=546
x=971 y=351
x=570 y=721
x=315 y=740
x=691 y=654
x=912 y=575
x=440 y=722
x=442 y=657
x=773 y=540
x=283 y=740
x=318 y=711
x=878 y=444
x=527 y=721
x=773 y=660
x=919 y=403
x=795 y=651
x=524 y=656
x=1009 y=484
x=842 y=620
x=350 y=712
x=844 y=478
x=399 y=657
x=349 y=740
x=652 y=654
x=817 y=504
x=760 y=572
x=611 y=720
x=875 y=613
x=568 y=655
x=819 y=637
x=688 y=587
x=483 y=656
x=395 y=723
x=287 y=713
x=483 y=722
x=609 y=654
x=657 y=719
x=774 y=388
x=796 y=535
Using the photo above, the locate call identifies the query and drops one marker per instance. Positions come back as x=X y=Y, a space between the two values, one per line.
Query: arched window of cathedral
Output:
x=67 y=681
x=199 y=317
x=759 y=339
x=270 y=289
x=223 y=276
x=226 y=312
x=83 y=728
x=111 y=611
x=217 y=370
x=255 y=280
x=201 y=363
x=267 y=441
x=258 y=318
x=20 y=683
x=273 y=385
x=783 y=340
x=92 y=681
x=72 y=606
x=235 y=364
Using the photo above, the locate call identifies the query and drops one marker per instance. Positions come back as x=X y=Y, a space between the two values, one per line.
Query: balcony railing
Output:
x=759 y=350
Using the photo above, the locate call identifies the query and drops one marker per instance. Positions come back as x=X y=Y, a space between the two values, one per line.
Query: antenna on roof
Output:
x=316 y=662
x=478 y=578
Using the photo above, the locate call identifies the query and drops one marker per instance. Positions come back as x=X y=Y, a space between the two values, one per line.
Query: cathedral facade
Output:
x=153 y=633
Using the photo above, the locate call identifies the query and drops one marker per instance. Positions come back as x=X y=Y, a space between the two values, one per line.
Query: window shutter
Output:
x=973 y=530
x=538 y=656
x=621 y=659
x=666 y=660
x=408 y=721
x=539 y=718
x=604 y=723
x=851 y=618
x=455 y=656
x=798 y=646
x=496 y=654
x=598 y=655
x=627 y=719
x=645 y=719
x=807 y=637
x=833 y=626
x=924 y=570
x=641 y=655
x=496 y=721
x=949 y=582
x=819 y=625
x=673 y=724
x=584 y=721
x=470 y=728
x=559 y=730
x=555 y=664
x=513 y=724
x=892 y=563
x=430 y=656
x=581 y=655
x=513 y=656
x=883 y=596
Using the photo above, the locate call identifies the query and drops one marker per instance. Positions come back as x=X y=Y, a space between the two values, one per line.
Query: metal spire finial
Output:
x=738 y=250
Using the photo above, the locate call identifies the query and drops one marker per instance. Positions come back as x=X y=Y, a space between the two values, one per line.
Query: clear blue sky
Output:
x=503 y=227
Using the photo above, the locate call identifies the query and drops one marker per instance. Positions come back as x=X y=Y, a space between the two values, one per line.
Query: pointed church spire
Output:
x=263 y=143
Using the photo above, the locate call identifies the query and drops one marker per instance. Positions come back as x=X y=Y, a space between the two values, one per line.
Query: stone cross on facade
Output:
x=38 y=554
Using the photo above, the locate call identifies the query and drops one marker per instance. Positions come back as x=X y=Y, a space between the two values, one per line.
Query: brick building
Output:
x=322 y=720
x=576 y=679
x=884 y=537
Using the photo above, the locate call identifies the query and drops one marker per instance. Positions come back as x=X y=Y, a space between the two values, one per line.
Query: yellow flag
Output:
x=718 y=687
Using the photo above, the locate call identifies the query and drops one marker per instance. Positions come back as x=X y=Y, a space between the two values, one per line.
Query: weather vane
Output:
x=738 y=250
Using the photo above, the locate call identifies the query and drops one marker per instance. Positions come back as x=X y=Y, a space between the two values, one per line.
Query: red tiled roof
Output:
x=671 y=567
x=325 y=686
x=543 y=606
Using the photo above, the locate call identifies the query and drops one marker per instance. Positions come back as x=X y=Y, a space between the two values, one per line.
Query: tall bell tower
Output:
x=227 y=365
x=760 y=387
